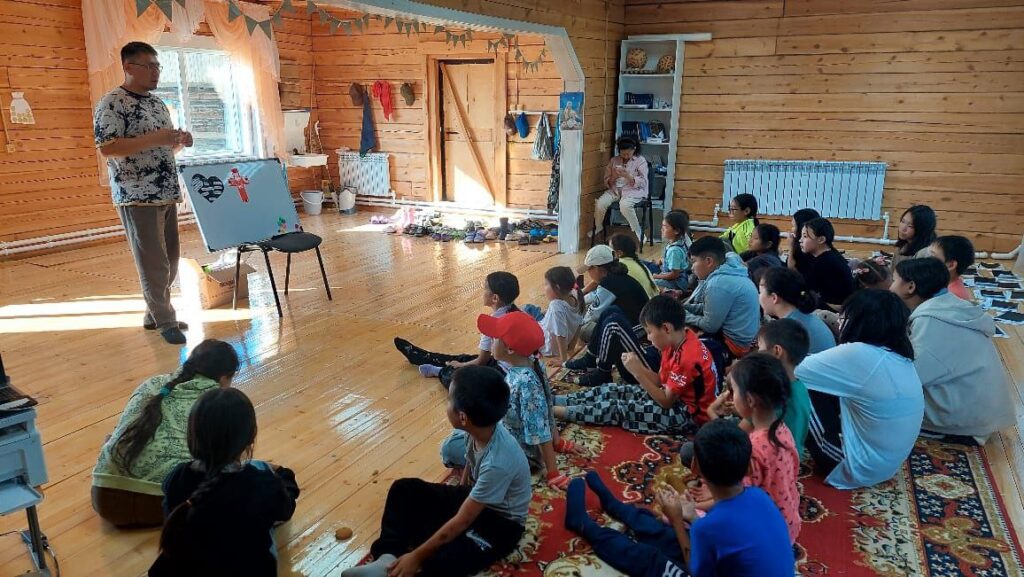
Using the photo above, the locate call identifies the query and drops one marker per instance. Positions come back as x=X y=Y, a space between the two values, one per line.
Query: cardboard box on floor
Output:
x=212 y=288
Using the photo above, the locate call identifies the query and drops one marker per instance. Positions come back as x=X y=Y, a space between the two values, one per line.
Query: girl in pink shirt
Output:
x=759 y=387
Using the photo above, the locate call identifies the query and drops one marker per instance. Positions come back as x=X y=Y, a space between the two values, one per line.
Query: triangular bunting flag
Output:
x=366 y=21
x=324 y=16
x=251 y=24
x=519 y=55
x=165 y=6
x=233 y=11
x=277 y=19
x=469 y=34
x=265 y=26
x=359 y=24
x=334 y=25
x=310 y=7
x=438 y=29
x=141 y=6
x=180 y=3
x=398 y=25
x=347 y=27
x=286 y=6
x=463 y=39
x=387 y=22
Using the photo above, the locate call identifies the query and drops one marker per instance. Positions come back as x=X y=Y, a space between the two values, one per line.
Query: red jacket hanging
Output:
x=382 y=90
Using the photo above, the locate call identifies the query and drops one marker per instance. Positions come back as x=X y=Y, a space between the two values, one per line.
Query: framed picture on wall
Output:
x=570 y=107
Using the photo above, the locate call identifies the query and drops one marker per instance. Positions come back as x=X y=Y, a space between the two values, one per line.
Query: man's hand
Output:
x=406 y=566
x=166 y=137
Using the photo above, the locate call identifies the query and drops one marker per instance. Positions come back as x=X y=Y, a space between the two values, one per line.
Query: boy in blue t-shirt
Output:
x=743 y=535
x=440 y=530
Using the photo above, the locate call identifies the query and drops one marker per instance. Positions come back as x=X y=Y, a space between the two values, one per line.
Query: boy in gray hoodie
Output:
x=724 y=305
x=966 y=386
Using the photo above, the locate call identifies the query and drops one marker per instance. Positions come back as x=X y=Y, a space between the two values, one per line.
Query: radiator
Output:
x=367 y=175
x=835 y=189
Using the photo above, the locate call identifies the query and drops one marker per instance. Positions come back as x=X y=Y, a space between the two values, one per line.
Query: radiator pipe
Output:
x=69 y=238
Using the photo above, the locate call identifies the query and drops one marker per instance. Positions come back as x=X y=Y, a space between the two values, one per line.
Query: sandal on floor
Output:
x=558 y=481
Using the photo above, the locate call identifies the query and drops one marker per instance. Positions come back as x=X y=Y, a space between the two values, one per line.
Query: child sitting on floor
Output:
x=221 y=507
x=759 y=390
x=958 y=254
x=673 y=401
x=783 y=294
x=441 y=530
x=787 y=340
x=743 y=211
x=561 y=322
x=743 y=535
x=674 y=270
x=501 y=289
x=724 y=306
x=624 y=248
x=517 y=338
x=764 y=250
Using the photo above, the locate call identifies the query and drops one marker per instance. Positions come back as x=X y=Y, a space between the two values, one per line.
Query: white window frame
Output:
x=248 y=113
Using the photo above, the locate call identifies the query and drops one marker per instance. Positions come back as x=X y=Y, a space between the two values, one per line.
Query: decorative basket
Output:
x=667 y=64
x=636 y=58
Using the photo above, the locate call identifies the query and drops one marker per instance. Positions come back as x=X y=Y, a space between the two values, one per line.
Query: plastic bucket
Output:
x=312 y=201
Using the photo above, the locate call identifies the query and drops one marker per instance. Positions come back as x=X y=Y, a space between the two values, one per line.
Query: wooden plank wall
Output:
x=935 y=88
x=379 y=54
x=595 y=28
x=51 y=183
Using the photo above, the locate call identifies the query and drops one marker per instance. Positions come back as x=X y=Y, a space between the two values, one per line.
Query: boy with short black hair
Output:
x=958 y=254
x=743 y=535
x=724 y=305
x=439 y=530
x=788 y=341
x=671 y=401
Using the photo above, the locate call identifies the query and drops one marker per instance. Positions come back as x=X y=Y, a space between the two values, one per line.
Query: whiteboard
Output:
x=240 y=202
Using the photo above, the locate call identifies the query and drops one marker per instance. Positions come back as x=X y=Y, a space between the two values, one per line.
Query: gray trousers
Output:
x=153 y=237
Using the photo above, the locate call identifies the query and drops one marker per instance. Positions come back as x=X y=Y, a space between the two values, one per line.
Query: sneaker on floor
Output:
x=151 y=326
x=587 y=361
x=595 y=377
x=173 y=335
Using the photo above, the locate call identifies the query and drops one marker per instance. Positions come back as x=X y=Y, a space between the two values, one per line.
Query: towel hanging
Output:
x=542 y=146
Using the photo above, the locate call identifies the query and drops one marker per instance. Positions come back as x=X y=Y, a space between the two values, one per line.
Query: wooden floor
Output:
x=335 y=401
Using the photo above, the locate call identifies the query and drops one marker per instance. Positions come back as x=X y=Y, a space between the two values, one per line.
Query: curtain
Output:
x=110 y=24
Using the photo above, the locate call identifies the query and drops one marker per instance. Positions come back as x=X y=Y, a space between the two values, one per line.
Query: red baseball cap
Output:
x=518 y=330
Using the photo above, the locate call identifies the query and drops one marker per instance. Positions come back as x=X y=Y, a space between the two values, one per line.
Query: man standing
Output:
x=133 y=131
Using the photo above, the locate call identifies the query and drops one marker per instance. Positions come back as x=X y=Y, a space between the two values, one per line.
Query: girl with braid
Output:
x=222 y=506
x=149 y=439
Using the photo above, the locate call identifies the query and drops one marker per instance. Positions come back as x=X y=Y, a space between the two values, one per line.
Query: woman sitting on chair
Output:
x=626 y=178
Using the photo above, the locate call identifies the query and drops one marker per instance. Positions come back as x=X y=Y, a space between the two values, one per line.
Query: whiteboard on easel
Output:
x=236 y=203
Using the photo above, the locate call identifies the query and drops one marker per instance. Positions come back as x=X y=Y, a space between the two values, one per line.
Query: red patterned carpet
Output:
x=939 y=517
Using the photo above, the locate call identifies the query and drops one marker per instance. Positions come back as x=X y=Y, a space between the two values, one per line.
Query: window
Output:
x=201 y=90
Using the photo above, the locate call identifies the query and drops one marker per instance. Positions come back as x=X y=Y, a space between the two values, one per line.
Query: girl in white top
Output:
x=867 y=399
x=561 y=322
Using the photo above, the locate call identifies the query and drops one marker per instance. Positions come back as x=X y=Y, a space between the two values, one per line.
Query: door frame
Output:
x=433 y=94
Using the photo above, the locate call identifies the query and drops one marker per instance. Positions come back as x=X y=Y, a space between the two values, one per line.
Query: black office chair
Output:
x=289 y=243
x=646 y=206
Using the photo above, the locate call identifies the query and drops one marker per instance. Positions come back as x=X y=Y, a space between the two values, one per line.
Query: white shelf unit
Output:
x=665 y=87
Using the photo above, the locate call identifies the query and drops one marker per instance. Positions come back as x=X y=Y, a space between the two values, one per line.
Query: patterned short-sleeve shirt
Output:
x=149 y=176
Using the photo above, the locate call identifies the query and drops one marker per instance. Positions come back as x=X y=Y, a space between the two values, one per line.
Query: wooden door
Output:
x=468 y=138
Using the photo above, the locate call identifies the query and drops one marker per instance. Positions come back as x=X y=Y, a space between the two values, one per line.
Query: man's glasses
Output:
x=155 y=67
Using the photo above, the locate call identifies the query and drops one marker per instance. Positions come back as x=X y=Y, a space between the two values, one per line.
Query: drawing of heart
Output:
x=209 y=188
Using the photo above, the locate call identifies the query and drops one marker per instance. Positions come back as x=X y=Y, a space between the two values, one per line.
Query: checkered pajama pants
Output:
x=630 y=407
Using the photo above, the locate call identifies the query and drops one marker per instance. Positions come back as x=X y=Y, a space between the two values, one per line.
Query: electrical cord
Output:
x=27 y=539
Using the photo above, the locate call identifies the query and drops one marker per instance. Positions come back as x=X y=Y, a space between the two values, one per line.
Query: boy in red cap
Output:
x=672 y=401
x=517 y=340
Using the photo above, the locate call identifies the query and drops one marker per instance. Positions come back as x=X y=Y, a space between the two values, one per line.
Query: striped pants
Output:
x=825 y=433
x=613 y=335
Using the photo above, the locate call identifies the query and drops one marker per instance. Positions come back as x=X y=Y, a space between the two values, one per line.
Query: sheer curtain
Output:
x=110 y=24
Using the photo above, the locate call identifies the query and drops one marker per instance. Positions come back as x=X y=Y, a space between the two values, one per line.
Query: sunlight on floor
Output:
x=101 y=312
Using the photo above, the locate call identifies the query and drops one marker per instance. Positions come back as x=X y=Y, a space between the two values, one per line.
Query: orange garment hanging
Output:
x=382 y=90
